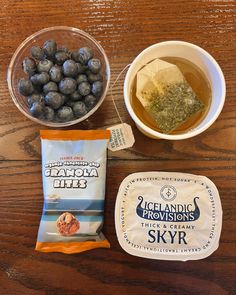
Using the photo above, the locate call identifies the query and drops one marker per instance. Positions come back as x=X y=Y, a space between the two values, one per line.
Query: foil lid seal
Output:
x=168 y=216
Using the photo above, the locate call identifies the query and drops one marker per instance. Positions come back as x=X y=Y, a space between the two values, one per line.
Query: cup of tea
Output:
x=201 y=72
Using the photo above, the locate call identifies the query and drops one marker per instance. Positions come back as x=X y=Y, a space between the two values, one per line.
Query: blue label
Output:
x=171 y=213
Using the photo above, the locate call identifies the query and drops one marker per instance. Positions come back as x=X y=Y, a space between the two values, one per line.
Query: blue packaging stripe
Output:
x=73 y=204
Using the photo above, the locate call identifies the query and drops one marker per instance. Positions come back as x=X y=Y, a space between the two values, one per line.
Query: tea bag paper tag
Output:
x=121 y=137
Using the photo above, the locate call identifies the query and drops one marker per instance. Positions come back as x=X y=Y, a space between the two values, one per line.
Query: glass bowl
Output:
x=73 y=39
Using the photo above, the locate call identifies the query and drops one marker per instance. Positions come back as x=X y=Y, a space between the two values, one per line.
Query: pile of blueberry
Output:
x=61 y=85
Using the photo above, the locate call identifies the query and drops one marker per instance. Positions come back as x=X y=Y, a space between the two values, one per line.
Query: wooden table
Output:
x=124 y=29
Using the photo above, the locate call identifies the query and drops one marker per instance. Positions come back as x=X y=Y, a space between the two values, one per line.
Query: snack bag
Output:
x=166 y=95
x=73 y=172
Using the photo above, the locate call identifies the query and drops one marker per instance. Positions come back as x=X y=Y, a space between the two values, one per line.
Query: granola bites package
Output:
x=74 y=174
x=168 y=216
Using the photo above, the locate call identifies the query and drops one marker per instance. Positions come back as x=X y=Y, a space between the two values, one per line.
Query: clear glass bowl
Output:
x=73 y=39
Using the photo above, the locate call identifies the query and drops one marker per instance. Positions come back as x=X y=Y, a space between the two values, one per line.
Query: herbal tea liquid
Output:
x=200 y=85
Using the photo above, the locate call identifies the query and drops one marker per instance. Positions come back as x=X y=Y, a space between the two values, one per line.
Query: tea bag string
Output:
x=111 y=92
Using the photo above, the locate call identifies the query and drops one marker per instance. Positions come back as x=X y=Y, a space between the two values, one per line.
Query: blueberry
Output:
x=75 y=55
x=67 y=86
x=65 y=98
x=44 y=65
x=65 y=113
x=61 y=56
x=48 y=113
x=79 y=109
x=81 y=68
x=81 y=78
x=85 y=54
x=29 y=66
x=94 y=65
x=70 y=103
x=43 y=78
x=97 y=88
x=37 y=109
x=76 y=96
x=94 y=77
x=70 y=68
x=25 y=87
x=40 y=79
x=54 y=100
x=50 y=48
x=84 y=88
x=82 y=55
x=55 y=73
x=34 y=79
x=37 y=52
x=35 y=98
x=90 y=101
x=63 y=48
x=50 y=86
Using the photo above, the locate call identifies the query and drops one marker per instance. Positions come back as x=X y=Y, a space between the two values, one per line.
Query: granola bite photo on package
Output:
x=74 y=176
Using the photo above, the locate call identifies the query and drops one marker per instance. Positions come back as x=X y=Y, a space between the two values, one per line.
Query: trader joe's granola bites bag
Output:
x=74 y=172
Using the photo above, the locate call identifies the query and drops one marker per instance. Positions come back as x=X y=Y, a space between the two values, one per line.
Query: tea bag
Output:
x=166 y=95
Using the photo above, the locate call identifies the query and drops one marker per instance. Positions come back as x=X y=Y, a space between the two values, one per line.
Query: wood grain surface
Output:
x=124 y=29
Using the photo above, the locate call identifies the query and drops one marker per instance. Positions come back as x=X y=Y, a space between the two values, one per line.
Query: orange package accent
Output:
x=75 y=134
x=72 y=247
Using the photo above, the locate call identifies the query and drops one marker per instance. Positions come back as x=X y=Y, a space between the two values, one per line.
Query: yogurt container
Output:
x=168 y=216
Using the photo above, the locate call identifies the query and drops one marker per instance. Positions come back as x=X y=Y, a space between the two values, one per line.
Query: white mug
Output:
x=195 y=55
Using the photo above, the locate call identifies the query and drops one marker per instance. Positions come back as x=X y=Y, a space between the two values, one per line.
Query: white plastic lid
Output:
x=168 y=216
